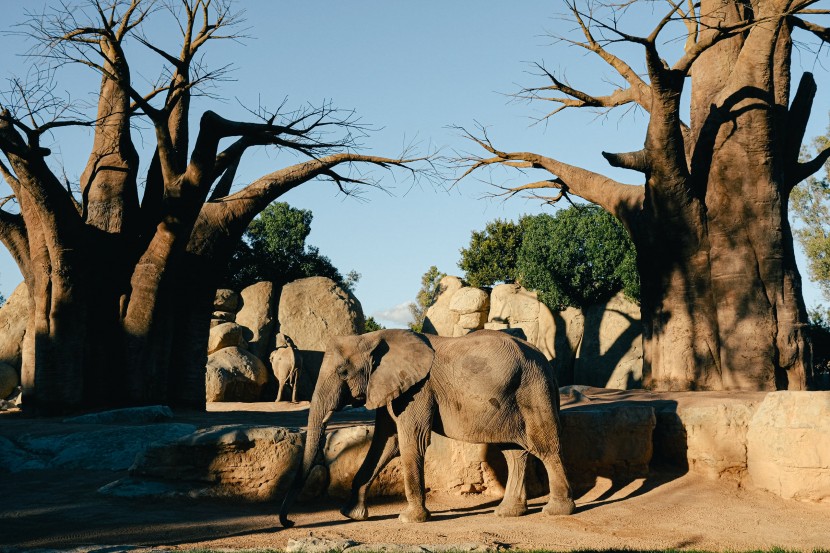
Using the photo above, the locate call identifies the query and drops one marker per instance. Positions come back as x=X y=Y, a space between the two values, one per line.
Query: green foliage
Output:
x=372 y=325
x=810 y=204
x=273 y=248
x=578 y=257
x=427 y=295
x=491 y=257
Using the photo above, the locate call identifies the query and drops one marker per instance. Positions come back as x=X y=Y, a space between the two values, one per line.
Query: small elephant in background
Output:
x=286 y=363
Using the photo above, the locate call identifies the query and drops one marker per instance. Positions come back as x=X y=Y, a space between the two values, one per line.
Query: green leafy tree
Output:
x=274 y=248
x=492 y=254
x=577 y=257
x=430 y=289
x=372 y=325
x=810 y=205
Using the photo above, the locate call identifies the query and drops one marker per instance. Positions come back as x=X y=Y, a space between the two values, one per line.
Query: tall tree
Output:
x=578 y=257
x=721 y=297
x=491 y=256
x=811 y=207
x=427 y=295
x=121 y=282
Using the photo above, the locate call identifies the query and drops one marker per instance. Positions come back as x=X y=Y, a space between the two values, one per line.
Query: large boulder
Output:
x=14 y=316
x=256 y=463
x=439 y=318
x=788 y=445
x=258 y=316
x=234 y=374
x=471 y=306
x=311 y=311
x=611 y=352
x=512 y=306
x=9 y=380
x=226 y=300
x=226 y=335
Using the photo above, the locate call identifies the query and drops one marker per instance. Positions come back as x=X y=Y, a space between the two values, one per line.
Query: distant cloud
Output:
x=399 y=314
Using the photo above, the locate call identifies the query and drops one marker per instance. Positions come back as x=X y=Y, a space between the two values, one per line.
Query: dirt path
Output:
x=50 y=508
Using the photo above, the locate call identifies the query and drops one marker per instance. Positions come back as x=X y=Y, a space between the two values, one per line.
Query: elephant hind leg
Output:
x=384 y=448
x=560 y=501
x=279 y=391
x=514 y=503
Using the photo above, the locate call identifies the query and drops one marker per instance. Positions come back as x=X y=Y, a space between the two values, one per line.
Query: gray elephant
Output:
x=286 y=363
x=486 y=387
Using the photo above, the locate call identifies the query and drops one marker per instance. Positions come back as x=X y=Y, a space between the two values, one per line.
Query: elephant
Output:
x=485 y=387
x=286 y=363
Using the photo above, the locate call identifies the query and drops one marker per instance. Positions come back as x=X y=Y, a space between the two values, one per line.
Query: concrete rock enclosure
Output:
x=310 y=311
x=776 y=442
x=599 y=346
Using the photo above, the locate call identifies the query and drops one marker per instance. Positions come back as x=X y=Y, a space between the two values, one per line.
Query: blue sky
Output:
x=412 y=70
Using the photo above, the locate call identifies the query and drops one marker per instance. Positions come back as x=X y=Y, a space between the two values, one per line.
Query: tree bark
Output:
x=721 y=301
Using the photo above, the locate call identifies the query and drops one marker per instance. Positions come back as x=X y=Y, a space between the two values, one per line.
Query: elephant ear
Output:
x=400 y=359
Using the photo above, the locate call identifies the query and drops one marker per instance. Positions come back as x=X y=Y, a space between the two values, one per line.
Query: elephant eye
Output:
x=341 y=371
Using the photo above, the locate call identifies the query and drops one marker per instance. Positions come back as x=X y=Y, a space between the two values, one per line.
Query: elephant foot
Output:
x=559 y=506
x=355 y=512
x=414 y=515
x=511 y=509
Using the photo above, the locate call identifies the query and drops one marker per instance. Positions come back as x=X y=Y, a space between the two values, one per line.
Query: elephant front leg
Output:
x=514 y=503
x=414 y=432
x=383 y=449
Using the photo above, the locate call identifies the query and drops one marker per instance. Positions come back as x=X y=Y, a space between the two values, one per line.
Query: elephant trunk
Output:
x=324 y=401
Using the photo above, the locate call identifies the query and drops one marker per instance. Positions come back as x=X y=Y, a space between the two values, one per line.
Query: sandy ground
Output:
x=60 y=509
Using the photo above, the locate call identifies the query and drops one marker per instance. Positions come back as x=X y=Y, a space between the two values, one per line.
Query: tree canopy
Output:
x=274 y=248
x=577 y=257
x=810 y=204
x=492 y=254
x=426 y=296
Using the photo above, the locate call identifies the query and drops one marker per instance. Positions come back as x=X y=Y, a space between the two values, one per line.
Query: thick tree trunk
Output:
x=738 y=296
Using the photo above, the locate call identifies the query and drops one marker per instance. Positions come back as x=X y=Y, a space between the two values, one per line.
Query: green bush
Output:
x=578 y=257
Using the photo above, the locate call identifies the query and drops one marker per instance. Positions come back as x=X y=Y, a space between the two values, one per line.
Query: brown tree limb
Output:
x=636 y=161
x=14 y=237
x=799 y=115
x=621 y=200
x=801 y=171
x=818 y=30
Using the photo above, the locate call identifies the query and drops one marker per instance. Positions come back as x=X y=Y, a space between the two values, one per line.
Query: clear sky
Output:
x=412 y=69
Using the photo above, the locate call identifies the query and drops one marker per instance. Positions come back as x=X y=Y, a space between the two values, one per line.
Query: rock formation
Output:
x=226 y=335
x=600 y=346
x=439 y=318
x=311 y=311
x=14 y=316
x=258 y=316
x=234 y=374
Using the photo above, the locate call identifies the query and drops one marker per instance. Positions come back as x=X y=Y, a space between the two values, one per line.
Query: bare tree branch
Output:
x=621 y=200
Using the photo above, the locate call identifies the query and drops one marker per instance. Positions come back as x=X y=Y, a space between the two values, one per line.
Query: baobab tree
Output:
x=121 y=282
x=722 y=306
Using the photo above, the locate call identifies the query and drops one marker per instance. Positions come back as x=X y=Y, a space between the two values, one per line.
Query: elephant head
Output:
x=372 y=368
x=284 y=341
